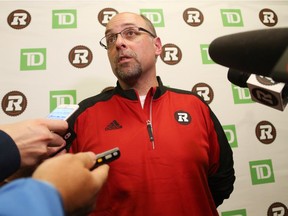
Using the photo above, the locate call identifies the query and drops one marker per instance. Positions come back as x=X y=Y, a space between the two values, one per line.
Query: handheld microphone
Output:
x=261 y=52
x=263 y=90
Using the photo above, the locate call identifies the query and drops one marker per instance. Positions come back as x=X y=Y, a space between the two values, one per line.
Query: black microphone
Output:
x=238 y=78
x=262 y=89
x=262 y=52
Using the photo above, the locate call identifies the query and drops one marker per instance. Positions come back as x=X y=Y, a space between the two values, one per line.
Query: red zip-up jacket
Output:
x=175 y=158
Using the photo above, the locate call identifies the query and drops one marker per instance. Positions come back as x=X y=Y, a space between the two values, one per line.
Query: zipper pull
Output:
x=150 y=133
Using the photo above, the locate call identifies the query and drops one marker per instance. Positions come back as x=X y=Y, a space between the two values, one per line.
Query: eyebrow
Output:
x=125 y=25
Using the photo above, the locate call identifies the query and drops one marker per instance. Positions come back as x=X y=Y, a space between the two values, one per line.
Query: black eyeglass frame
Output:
x=116 y=34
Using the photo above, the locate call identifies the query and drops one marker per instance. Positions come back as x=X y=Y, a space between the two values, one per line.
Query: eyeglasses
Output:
x=129 y=34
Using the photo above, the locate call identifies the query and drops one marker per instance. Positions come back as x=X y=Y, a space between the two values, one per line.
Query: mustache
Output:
x=125 y=54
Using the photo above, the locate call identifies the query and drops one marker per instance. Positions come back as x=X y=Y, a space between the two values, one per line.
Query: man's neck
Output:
x=141 y=86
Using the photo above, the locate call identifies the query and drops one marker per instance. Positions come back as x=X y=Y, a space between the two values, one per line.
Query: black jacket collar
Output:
x=132 y=94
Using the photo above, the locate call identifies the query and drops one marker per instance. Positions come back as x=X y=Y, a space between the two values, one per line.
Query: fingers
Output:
x=58 y=126
x=100 y=174
x=56 y=140
x=62 y=152
x=53 y=151
x=75 y=168
x=88 y=159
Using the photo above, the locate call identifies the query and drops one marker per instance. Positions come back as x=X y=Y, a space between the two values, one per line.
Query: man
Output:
x=175 y=158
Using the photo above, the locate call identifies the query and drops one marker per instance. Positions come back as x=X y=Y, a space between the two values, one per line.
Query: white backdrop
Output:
x=50 y=54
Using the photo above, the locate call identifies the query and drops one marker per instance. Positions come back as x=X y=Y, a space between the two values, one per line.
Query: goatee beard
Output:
x=130 y=75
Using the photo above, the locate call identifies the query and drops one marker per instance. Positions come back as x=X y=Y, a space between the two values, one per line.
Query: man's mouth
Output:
x=124 y=59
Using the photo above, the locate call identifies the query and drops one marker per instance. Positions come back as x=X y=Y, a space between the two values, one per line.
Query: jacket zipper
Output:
x=150 y=133
x=149 y=126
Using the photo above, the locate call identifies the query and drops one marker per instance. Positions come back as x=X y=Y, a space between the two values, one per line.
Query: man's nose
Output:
x=120 y=41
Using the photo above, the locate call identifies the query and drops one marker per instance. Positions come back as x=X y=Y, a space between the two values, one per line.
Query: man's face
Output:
x=130 y=58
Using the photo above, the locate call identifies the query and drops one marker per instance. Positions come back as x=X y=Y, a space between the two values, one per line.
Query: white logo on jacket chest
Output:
x=182 y=117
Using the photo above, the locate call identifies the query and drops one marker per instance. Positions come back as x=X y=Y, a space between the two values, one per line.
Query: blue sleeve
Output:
x=31 y=197
x=9 y=156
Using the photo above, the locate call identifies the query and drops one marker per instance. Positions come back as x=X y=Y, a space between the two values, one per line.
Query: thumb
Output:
x=87 y=158
x=100 y=174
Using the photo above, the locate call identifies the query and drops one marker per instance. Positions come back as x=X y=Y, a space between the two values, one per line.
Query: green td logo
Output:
x=232 y=18
x=239 y=212
x=62 y=97
x=230 y=132
x=261 y=172
x=63 y=19
x=205 y=54
x=155 y=16
x=33 y=59
x=241 y=95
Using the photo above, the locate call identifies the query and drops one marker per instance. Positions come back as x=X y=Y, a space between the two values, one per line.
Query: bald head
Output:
x=128 y=18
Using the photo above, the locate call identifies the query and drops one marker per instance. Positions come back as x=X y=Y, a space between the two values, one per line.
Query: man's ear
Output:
x=158 y=45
